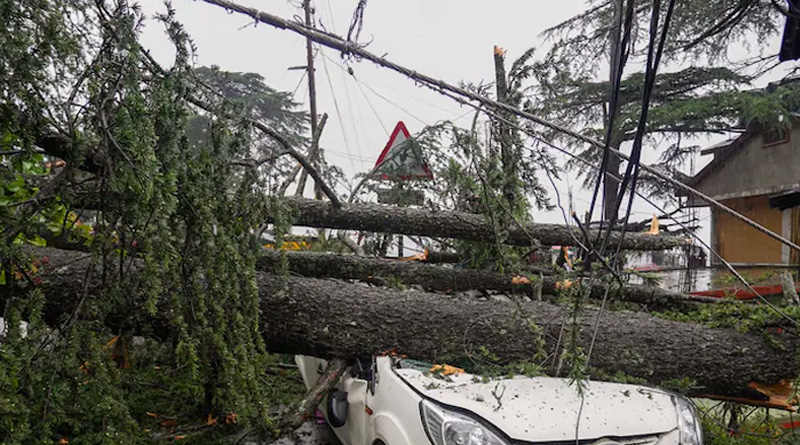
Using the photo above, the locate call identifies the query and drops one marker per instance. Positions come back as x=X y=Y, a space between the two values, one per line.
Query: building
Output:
x=744 y=174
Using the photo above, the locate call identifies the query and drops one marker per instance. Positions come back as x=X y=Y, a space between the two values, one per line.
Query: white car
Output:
x=391 y=401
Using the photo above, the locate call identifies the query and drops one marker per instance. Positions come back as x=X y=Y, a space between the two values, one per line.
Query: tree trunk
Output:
x=611 y=189
x=411 y=221
x=328 y=319
x=610 y=184
x=503 y=134
x=451 y=279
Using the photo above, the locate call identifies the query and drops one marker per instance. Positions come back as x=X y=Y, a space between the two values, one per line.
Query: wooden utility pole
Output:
x=313 y=155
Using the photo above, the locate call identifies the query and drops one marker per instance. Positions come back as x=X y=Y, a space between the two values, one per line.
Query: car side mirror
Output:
x=337 y=408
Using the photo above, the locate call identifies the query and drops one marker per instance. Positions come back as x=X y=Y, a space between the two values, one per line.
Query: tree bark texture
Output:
x=456 y=279
x=468 y=226
x=443 y=257
x=329 y=319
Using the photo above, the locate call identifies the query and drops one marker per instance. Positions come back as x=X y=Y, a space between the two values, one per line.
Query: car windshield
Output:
x=418 y=365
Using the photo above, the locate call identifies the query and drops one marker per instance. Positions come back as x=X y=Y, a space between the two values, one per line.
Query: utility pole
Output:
x=313 y=154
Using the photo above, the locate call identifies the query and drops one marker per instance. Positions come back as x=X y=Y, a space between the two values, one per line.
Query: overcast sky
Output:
x=448 y=39
x=442 y=38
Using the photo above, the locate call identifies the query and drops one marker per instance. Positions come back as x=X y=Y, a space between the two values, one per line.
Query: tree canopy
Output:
x=714 y=94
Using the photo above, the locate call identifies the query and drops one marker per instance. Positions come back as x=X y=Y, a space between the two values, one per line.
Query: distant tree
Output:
x=701 y=31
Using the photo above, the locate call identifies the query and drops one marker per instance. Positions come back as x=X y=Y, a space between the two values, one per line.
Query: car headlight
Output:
x=445 y=427
x=691 y=431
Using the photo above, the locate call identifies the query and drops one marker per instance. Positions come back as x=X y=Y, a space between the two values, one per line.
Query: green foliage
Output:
x=496 y=176
x=700 y=30
x=682 y=385
x=742 y=317
x=617 y=377
x=573 y=357
x=758 y=427
x=173 y=235
x=252 y=98
x=692 y=102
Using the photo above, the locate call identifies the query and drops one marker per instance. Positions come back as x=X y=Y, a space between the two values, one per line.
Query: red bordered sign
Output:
x=400 y=160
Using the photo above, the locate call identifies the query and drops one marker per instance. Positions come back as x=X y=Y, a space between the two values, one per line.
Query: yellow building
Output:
x=744 y=174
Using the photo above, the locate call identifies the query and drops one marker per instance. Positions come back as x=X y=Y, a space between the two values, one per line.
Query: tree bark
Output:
x=329 y=319
x=611 y=189
x=468 y=226
x=452 y=279
x=443 y=257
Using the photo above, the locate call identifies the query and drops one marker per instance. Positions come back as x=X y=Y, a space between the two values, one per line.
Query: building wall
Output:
x=737 y=242
x=757 y=169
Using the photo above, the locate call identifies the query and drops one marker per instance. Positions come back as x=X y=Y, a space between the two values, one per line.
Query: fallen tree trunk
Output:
x=329 y=318
x=451 y=279
x=468 y=226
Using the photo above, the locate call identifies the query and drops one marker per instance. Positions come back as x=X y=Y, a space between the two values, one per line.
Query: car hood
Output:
x=546 y=409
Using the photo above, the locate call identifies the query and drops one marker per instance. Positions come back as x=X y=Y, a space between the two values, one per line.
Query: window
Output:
x=775 y=136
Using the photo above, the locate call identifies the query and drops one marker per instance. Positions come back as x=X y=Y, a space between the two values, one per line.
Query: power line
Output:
x=369 y=102
x=359 y=83
x=362 y=133
x=418 y=99
x=335 y=102
x=617 y=66
x=330 y=11
x=299 y=82
x=392 y=103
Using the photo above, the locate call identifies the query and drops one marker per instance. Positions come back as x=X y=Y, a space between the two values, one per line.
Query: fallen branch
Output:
x=443 y=257
x=468 y=226
x=305 y=408
x=352 y=245
x=313 y=155
x=451 y=279
x=328 y=318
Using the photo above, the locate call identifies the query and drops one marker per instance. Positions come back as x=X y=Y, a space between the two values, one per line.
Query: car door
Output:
x=355 y=382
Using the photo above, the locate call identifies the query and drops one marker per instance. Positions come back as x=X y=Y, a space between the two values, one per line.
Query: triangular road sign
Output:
x=401 y=159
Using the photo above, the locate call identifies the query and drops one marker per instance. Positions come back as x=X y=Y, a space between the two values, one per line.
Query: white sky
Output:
x=448 y=39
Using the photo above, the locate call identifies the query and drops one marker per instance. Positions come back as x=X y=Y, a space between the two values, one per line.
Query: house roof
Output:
x=722 y=153
x=718 y=146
